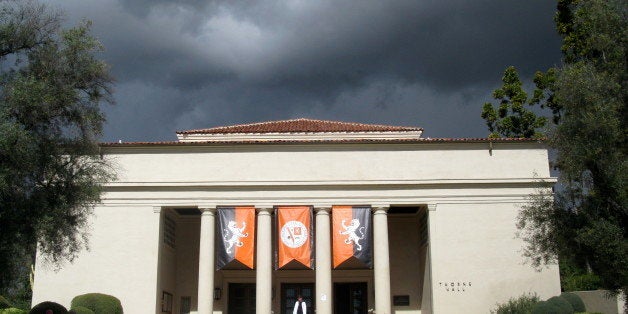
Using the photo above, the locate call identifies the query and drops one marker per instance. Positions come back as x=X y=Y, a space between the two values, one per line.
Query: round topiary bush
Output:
x=99 y=303
x=564 y=306
x=545 y=307
x=575 y=301
x=81 y=310
x=42 y=307
x=13 y=310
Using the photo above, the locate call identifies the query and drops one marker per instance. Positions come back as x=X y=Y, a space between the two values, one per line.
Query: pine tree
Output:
x=587 y=222
x=51 y=86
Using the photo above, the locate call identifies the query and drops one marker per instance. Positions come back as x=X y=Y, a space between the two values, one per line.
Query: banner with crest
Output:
x=294 y=236
x=236 y=237
x=352 y=237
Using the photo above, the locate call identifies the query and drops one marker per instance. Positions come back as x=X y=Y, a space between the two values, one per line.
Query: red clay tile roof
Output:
x=301 y=126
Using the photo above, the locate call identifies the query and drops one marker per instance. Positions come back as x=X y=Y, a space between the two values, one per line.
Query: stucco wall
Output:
x=475 y=189
x=122 y=261
x=474 y=247
x=250 y=163
x=188 y=235
x=406 y=275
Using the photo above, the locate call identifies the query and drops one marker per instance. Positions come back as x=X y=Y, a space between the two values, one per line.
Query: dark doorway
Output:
x=289 y=293
x=350 y=298
x=241 y=298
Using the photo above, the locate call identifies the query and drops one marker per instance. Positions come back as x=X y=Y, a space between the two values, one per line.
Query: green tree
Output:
x=587 y=222
x=511 y=118
x=51 y=87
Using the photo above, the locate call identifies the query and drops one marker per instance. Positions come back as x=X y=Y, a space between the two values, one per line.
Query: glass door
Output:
x=350 y=298
x=289 y=293
x=241 y=298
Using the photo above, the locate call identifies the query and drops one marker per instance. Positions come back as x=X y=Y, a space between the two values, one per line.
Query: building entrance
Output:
x=289 y=293
x=241 y=298
x=350 y=298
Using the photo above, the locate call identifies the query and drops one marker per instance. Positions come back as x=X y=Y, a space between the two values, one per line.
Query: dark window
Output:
x=350 y=298
x=289 y=293
x=166 y=302
x=186 y=305
x=241 y=298
x=170 y=228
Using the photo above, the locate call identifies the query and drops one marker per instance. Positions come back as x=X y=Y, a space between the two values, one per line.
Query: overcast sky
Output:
x=199 y=63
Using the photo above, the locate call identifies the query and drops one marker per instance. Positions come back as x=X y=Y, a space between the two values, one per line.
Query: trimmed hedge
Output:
x=81 y=310
x=545 y=307
x=521 y=305
x=13 y=310
x=99 y=303
x=42 y=307
x=564 y=305
x=575 y=301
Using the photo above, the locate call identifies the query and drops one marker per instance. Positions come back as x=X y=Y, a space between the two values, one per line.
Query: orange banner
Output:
x=244 y=254
x=351 y=236
x=294 y=226
x=342 y=251
x=236 y=227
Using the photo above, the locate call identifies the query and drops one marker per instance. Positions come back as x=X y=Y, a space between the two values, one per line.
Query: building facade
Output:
x=442 y=213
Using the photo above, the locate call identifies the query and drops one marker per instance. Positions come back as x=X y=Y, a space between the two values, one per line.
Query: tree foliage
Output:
x=587 y=222
x=51 y=88
x=512 y=118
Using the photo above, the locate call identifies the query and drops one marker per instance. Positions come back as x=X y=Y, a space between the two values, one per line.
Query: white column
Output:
x=431 y=211
x=160 y=242
x=381 y=260
x=263 y=282
x=206 y=261
x=323 y=262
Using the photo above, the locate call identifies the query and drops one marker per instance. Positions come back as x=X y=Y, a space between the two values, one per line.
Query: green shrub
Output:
x=81 y=310
x=99 y=303
x=13 y=310
x=4 y=303
x=581 y=282
x=564 y=305
x=42 y=307
x=520 y=305
x=575 y=301
x=545 y=307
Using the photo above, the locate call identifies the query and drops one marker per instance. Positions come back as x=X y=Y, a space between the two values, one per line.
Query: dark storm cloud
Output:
x=189 y=64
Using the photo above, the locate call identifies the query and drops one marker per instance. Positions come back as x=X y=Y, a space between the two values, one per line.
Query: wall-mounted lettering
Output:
x=455 y=286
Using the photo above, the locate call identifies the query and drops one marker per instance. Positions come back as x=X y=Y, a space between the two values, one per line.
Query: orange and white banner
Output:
x=294 y=235
x=236 y=226
x=351 y=240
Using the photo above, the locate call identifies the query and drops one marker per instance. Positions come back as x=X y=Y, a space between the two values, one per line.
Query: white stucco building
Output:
x=443 y=221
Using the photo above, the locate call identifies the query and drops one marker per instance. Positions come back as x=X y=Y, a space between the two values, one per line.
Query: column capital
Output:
x=431 y=207
x=264 y=209
x=157 y=209
x=322 y=209
x=380 y=209
x=207 y=210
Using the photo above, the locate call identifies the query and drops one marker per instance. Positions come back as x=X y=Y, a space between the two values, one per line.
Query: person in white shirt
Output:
x=299 y=307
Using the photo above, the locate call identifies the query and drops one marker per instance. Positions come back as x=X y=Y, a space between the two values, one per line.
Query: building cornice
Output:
x=328 y=141
x=335 y=183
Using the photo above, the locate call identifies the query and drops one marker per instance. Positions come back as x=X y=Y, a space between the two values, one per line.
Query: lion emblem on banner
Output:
x=351 y=231
x=233 y=234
